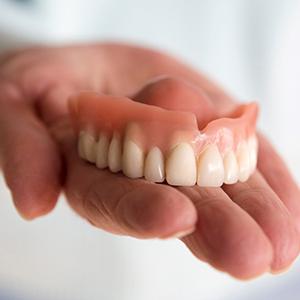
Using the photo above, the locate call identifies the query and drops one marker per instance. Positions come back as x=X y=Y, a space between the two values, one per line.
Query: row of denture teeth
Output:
x=179 y=168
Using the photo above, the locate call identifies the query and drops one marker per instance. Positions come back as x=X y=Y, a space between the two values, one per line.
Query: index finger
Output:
x=124 y=206
x=278 y=176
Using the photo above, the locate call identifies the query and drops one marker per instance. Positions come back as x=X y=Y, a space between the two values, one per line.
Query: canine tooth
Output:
x=114 y=154
x=154 y=166
x=253 y=147
x=243 y=161
x=231 y=168
x=210 y=168
x=133 y=160
x=181 y=166
x=102 y=151
x=87 y=145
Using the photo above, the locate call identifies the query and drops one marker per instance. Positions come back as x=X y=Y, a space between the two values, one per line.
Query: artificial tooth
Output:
x=210 y=168
x=133 y=160
x=253 y=148
x=243 y=160
x=231 y=168
x=181 y=166
x=154 y=166
x=86 y=146
x=115 y=154
x=80 y=144
x=102 y=151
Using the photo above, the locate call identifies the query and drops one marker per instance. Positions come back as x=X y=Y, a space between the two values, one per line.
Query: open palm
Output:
x=243 y=229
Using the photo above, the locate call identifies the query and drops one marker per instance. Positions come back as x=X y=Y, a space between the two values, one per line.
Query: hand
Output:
x=243 y=229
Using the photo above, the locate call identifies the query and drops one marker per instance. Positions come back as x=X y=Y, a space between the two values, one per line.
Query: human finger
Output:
x=257 y=198
x=29 y=157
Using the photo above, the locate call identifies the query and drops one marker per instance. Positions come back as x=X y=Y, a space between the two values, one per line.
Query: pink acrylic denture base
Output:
x=97 y=113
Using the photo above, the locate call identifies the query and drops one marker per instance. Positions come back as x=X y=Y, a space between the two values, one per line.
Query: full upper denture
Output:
x=159 y=144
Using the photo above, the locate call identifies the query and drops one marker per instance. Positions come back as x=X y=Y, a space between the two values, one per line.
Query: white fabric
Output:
x=251 y=47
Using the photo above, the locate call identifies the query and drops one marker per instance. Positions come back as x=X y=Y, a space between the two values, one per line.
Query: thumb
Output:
x=174 y=93
x=28 y=155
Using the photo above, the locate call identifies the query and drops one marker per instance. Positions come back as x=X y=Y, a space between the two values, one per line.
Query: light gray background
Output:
x=251 y=47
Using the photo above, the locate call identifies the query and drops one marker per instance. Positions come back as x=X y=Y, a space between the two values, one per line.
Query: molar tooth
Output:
x=80 y=144
x=102 y=151
x=253 y=148
x=181 y=166
x=243 y=161
x=114 y=154
x=154 y=166
x=133 y=159
x=231 y=168
x=210 y=168
x=86 y=146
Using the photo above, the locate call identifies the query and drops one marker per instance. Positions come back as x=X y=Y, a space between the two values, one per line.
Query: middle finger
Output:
x=226 y=236
x=257 y=198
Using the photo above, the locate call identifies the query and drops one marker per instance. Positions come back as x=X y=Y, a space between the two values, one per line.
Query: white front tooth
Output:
x=253 y=148
x=231 y=168
x=181 y=166
x=133 y=160
x=87 y=144
x=115 y=154
x=80 y=144
x=102 y=151
x=210 y=167
x=154 y=166
x=243 y=160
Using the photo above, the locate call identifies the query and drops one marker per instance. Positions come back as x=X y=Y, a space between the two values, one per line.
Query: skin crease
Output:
x=244 y=229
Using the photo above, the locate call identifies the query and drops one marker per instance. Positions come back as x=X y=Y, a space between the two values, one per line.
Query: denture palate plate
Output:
x=147 y=141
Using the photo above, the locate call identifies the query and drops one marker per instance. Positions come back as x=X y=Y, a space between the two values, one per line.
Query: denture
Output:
x=161 y=145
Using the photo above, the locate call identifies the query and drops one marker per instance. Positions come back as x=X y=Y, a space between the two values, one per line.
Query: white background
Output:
x=251 y=47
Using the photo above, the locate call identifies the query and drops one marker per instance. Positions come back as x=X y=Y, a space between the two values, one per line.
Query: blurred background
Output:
x=251 y=47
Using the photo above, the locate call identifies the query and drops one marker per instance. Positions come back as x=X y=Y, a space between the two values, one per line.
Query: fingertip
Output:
x=30 y=206
x=35 y=186
x=281 y=271
x=250 y=261
x=286 y=249
x=180 y=234
x=230 y=240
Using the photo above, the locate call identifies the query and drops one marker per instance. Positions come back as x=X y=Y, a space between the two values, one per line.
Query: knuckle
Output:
x=102 y=205
x=97 y=213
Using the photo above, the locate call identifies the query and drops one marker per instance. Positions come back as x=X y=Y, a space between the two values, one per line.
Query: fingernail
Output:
x=280 y=271
x=179 y=234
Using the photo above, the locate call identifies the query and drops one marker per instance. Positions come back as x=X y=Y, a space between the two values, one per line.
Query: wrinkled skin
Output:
x=244 y=229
